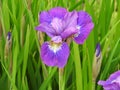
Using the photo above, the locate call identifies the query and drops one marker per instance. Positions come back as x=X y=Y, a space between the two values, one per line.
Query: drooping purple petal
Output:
x=45 y=17
x=83 y=18
x=62 y=55
x=54 y=54
x=45 y=27
x=84 y=26
x=68 y=32
x=112 y=83
x=83 y=33
x=58 y=12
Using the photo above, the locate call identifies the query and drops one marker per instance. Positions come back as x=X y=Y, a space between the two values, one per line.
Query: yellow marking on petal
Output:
x=55 y=46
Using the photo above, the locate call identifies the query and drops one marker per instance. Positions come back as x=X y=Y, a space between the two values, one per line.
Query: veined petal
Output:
x=57 y=25
x=45 y=27
x=54 y=54
x=44 y=17
x=58 y=12
x=83 y=33
x=83 y=18
x=70 y=19
x=68 y=32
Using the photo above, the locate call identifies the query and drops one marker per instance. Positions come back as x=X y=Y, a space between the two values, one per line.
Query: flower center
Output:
x=55 y=46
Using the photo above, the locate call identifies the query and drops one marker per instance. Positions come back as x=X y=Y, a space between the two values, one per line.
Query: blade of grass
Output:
x=26 y=51
x=77 y=63
x=48 y=80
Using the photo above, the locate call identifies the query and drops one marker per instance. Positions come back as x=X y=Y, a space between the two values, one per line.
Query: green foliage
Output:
x=22 y=69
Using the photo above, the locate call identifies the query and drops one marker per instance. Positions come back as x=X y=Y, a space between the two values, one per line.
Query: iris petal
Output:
x=57 y=25
x=83 y=18
x=68 y=32
x=44 y=17
x=83 y=33
x=71 y=19
x=58 y=12
x=112 y=83
x=53 y=55
x=85 y=23
x=45 y=27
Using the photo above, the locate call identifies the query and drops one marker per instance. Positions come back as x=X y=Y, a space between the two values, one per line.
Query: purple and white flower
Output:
x=112 y=83
x=59 y=24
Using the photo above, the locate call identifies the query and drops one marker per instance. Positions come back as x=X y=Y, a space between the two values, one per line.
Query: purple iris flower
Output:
x=59 y=24
x=112 y=83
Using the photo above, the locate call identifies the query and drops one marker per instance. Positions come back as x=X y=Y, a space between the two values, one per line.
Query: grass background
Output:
x=21 y=68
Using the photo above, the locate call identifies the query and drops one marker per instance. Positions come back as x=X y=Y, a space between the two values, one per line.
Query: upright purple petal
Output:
x=58 y=12
x=53 y=54
x=48 y=16
x=57 y=24
x=84 y=26
x=45 y=27
x=70 y=19
x=45 y=17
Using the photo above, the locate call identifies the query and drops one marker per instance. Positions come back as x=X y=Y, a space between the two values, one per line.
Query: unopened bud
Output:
x=8 y=44
x=97 y=62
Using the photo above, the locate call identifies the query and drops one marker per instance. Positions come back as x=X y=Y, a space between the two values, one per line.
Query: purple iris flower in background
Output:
x=112 y=83
x=59 y=24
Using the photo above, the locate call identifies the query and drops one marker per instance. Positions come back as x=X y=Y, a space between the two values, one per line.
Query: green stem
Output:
x=93 y=85
x=49 y=86
x=61 y=80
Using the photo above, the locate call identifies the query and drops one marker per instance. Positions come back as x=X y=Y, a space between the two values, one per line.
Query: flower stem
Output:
x=61 y=79
x=93 y=85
